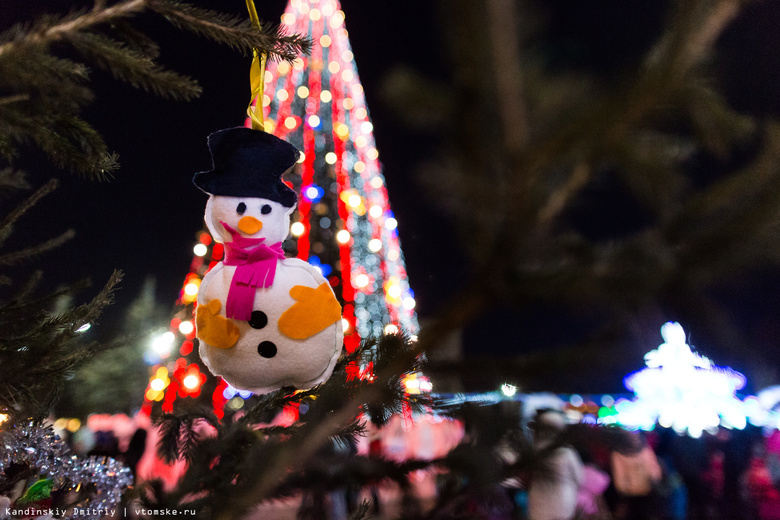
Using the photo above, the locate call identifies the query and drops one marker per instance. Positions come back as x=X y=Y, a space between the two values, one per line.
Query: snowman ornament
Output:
x=264 y=321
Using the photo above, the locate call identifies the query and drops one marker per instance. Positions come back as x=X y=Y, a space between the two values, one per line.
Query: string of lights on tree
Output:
x=343 y=224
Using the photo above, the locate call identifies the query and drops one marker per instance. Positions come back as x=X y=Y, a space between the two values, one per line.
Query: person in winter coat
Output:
x=552 y=492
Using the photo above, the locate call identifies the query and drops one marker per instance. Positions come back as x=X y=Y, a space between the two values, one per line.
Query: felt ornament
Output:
x=264 y=321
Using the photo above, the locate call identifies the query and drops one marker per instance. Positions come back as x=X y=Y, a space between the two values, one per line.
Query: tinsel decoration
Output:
x=38 y=447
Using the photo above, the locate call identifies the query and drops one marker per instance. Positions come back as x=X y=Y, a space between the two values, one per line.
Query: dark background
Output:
x=145 y=220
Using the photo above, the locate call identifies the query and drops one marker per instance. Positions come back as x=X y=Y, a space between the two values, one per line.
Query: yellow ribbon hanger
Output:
x=256 y=76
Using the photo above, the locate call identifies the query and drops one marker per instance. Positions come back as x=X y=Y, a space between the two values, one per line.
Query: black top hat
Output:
x=248 y=163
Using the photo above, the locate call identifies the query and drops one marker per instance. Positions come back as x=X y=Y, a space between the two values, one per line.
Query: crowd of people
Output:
x=658 y=475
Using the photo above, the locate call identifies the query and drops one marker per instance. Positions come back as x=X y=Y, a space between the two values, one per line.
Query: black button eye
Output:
x=241 y=208
x=266 y=209
x=258 y=320
x=266 y=349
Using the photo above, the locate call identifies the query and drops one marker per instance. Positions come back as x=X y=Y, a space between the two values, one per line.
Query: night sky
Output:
x=145 y=221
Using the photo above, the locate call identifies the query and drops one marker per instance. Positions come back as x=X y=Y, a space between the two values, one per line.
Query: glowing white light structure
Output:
x=681 y=389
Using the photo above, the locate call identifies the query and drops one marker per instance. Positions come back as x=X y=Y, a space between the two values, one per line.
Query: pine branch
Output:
x=232 y=31
x=29 y=253
x=11 y=181
x=21 y=209
x=39 y=352
x=133 y=67
x=46 y=93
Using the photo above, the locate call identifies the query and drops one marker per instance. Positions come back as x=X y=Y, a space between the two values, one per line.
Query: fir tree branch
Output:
x=131 y=66
x=31 y=252
x=232 y=31
x=10 y=219
x=51 y=29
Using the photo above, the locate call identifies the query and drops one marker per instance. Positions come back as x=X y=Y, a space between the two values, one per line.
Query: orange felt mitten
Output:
x=314 y=310
x=214 y=329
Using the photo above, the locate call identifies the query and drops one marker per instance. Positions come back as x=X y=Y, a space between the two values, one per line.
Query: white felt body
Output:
x=299 y=363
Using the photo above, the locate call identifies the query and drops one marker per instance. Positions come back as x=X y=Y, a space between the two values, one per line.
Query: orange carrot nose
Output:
x=249 y=225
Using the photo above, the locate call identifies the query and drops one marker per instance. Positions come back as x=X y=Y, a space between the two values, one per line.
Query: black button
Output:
x=258 y=320
x=266 y=349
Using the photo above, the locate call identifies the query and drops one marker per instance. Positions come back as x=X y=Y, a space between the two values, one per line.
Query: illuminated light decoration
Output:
x=235 y=403
x=328 y=8
x=376 y=211
x=191 y=289
x=297 y=229
x=314 y=193
x=302 y=158
x=409 y=303
x=314 y=121
x=342 y=131
x=288 y=19
x=157 y=385
x=345 y=324
x=84 y=328
x=362 y=280
x=282 y=95
x=290 y=123
x=682 y=390
x=190 y=378
x=391 y=224
x=325 y=41
x=4 y=417
x=508 y=390
x=374 y=245
x=162 y=344
x=302 y=91
x=343 y=236
x=186 y=327
x=331 y=158
x=372 y=154
x=73 y=425
x=191 y=382
x=325 y=96
x=230 y=392
x=325 y=269
x=391 y=328
x=200 y=249
x=393 y=291
x=186 y=348
x=417 y=383
x=366 y=127
x=377 y=183
x=354 y=201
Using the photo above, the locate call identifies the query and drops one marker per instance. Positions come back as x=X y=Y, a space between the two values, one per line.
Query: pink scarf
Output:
x=255 y=267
